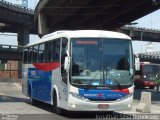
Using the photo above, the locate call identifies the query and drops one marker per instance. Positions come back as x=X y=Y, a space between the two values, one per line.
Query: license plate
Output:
x=103 y=106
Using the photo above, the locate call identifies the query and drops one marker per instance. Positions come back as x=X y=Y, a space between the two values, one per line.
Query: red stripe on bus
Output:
x=126 y=91
x=47 y=66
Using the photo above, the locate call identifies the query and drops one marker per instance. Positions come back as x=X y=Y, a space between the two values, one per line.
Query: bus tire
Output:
x=56 y=109
x=33 y=101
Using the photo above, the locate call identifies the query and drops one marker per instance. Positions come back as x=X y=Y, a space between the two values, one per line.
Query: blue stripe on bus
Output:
x=40 y=82
x=101 y=94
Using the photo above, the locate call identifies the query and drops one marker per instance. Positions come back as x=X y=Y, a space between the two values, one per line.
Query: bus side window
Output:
x=35 y=53
x=46 y=52
x=50 y=45
x=63 y=55
x=41 y=53
x=29 y=54
x=55 y=50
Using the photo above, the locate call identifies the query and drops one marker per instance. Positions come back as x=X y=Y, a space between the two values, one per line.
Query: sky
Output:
x=150 y=21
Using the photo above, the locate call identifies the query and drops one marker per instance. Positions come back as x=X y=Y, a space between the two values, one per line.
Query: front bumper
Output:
x=75 y=104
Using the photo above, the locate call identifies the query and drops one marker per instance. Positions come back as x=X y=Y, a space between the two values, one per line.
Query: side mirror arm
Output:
x=137 y=64
x=67 y=63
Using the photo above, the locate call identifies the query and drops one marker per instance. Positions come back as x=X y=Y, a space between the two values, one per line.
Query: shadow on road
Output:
x=5 y=98
x=41 y=105
x=96 y=115
x=80 y=115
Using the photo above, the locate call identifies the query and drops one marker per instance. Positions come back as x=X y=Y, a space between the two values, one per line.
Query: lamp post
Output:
x=142 y=38
x=130 y=24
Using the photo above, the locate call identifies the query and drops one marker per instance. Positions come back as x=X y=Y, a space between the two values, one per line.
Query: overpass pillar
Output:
x=23 y=36
x=23 y=39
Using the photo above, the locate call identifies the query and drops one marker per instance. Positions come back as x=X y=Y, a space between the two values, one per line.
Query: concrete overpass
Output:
x=51 y=15
x=23 y=24
x=16 y=19
x=22 y=18
x=144 y=34
x=153 y=57
x=13 y=17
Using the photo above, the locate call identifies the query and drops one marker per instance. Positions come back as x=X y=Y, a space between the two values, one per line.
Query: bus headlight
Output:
x=75 y=95
x=125 y=97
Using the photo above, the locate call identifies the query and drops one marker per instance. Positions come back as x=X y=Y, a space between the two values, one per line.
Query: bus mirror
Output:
x=137 y=64
x=67 y=52
x=67 y=63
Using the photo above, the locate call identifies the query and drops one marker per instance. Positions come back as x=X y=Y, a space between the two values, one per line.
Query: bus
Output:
x=146 y=76
x=81 y=70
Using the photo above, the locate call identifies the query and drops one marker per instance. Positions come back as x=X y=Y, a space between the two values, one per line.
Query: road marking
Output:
x=18 y=85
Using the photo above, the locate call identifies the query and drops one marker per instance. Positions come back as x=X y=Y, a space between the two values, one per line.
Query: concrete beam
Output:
x=42 y=29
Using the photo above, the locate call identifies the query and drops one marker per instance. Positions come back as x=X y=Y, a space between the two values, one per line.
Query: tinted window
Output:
x=35 y=53
x=41 y=53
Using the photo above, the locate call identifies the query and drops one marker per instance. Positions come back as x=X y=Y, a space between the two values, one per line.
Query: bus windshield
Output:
x=150 y=71
x=101 y=62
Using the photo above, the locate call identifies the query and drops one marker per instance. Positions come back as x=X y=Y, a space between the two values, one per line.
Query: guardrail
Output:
x=15 y=7
x=149 y=56
x=140 y=29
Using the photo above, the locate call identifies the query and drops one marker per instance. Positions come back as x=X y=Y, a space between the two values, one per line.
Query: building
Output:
x=9 y=70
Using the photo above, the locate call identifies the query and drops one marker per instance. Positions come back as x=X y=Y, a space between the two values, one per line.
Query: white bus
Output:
x=81 y=70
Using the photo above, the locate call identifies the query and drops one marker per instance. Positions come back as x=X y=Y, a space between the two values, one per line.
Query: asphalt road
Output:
x=14 y=105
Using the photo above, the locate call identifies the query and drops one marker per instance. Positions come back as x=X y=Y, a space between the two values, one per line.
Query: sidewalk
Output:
x=154 y=109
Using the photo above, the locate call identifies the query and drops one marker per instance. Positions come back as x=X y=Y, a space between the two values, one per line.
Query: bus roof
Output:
x=81 y=34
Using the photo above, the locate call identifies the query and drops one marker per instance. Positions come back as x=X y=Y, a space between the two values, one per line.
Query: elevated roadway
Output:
x=23 y=24
x=14 y=17
x=66 y=14
x=144 y=34
x=51 y=15
x=153 y=57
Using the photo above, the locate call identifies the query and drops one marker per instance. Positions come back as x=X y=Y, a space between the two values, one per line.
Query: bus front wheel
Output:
x=33 y=101
x=56 y=109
